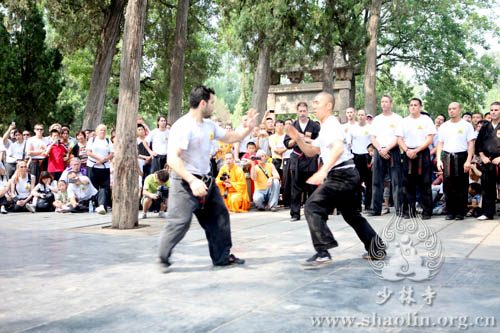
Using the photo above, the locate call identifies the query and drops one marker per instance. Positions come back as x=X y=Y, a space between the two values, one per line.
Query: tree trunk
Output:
x=328 y=73
x=261 y=82
x=110 y=35
x=352 y=96
x=177 y=68
x=126 y=187
x=371 y=59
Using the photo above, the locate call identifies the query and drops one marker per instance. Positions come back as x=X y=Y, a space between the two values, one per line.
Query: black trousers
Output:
x=299 y=186
x=380 y=167
x=101 y=180
x=340 y=188
x=83 y=205
x=158 y=162
x=362 y=162
x=455 y=183
x=35 y=169
x=489 y=180
x=287 y=182
x=417 y=172
x=211 y=213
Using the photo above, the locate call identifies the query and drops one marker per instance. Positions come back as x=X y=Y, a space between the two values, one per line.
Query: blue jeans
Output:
x=268 y=196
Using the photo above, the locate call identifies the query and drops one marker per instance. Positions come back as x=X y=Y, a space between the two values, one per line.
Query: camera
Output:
x=255 y=158
x=58 y=142
x=224 y=177
x=162 y=193
x=72 y=181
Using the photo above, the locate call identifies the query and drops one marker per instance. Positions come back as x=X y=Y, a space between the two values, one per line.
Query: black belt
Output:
x=447 y=158
x=343 y=164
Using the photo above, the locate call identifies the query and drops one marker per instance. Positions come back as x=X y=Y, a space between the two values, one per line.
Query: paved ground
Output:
x=66 y=273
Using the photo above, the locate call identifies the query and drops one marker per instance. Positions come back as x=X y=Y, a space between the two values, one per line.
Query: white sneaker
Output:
x=101 y=210
x=3 y=210
x=59 y=210
x=30 y=208
x=162 y=215
x=483 y=218
x=65 y=210
x=144 y=215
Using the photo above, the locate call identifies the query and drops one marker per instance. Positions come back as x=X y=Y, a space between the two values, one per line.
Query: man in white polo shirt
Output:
x=81 y=192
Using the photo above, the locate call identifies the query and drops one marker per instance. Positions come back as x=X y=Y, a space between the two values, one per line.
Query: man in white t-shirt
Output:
x=158 y=138
x=36 y=148
x=81 y=192
x=456 y=139
x=350 y=119
x=287 y=175
x=339 y=181
x=192 y=188
x=387 y=158
x=360 y=139
x=415 y=133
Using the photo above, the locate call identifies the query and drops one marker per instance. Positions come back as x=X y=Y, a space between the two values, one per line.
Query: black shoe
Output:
x=428 y=217
x=233 y=260
x=375 y=214
x=369 y=256
x=163 y=265
x=459 y=217
x=319 y=258
x=261 y=209
x=449 y=217
x=294 y=219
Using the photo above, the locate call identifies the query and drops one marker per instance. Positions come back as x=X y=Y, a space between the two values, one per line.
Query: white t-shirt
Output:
x=331 y=131
x=194 y=140
x=360 y=138
x=101 y=148
x=35 y=144
x=414 y=131
x=281 y=144
x=384 y=128
x=455 y=136
x=159 y=140
x=15 y=151
x=23 y=187
x=82 y=191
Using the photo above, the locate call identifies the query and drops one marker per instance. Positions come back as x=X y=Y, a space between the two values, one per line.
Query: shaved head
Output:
x=455 y=105
x=327 y=98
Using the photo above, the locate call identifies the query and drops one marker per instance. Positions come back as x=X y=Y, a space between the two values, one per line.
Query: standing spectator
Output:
x=487 y=116
x=145 y=155
x=387 y=157
x=100 y=152
x=36 y=147
x=476 y=118
x=350 y=119
x=456 y=141
x=57 y=153
x=301 y=166
x=360 y=134
x=467 y=116
x=16 y=151
x=415 y=133
x=20 y=188
x=140 y=120
x=240 y=148
x=70 y=143
x=263 y=140
x=270 y=124
x=287 y=175
x=267 y=183
x=26 y=135
x=82 y=148
x=158 y=138
x=233 y=186
x=277 y=152
x=369 y=119
x=438 y=121
x=488 y=145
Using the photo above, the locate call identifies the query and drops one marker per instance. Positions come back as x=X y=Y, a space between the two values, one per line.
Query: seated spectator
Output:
x=4 y=192
x=81 y=192
x=233 y=186
x=155 y=193
x=474 y=201
x=20 y=187
x=267 y=183
x=43 y=193
x=62 y=203
x=74 y=165
x=57 y=153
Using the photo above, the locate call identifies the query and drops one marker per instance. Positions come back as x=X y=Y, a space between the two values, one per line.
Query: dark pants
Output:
x=211 y=214
x=417 y=172
x=340 y=188
x=10 y=168
x=277 y=164
x=56 y=175
x=380 y=167
x=100 y=178
x=158 y=162
x=35 y=169
x=299 y=186
x=489 y=180
x=83 y=205
x=455 y=183
x=362 y=162
x=287 y=182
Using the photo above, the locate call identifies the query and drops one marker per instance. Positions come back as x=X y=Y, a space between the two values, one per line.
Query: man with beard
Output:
x=192 y=188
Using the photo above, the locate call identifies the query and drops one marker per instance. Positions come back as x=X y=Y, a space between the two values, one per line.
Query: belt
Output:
x=447 y=159
x=343 y=165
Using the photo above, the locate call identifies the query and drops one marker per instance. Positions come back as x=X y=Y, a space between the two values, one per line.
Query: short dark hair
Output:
x=301 y=104
x=388 y=96
x=82 y=133
x=54 y=130
x=441 y=115
x=487 y=114
x=45 y=174
x=476 y=187
x=140 y=125
x=198 y=94
x=279 y=121
x=251 y=143
x=416 y=99
x=495 y=103
x=477 y=112
x=468 y=113
x=162 y=175
x=269 y=118
x=292 y=120
x=158 y=119
x=370 y=145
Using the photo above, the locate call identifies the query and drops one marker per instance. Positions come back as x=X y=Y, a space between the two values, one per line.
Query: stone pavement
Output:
x=66 y=273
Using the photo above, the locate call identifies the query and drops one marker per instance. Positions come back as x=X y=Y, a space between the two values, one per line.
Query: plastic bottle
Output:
x=91 y=206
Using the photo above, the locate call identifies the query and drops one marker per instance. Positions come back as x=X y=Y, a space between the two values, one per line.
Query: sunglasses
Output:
x=38 y=129
x=26 y=135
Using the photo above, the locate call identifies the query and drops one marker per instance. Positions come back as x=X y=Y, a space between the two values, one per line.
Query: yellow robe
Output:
x=237 y=197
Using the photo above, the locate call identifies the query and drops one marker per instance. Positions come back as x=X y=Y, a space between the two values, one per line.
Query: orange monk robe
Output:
x=224 y=148
x=237 y=196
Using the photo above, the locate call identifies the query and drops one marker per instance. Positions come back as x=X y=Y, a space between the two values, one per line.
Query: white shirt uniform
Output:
x=23 y=187
x=159 y=140
x=81 y=192
x=360 y=138
x=332 y=131
x=101 y=148
x=194 y=140
x=15 y=152
x=35 y=144
x=456 y=136
x=281 y=144
x=384 y=128
x=414 y=131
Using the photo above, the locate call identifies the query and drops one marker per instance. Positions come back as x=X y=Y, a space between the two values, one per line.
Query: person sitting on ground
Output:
x=81 y=192
x=20 y=187
x=155 y=193
x=43 y=193
x=233 y=186
x=62 y=203
x=74 y=165
x=267 y=183
x=474 y=200
x=4 y=193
